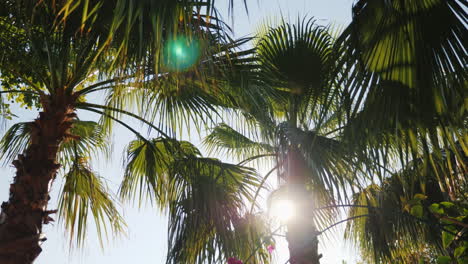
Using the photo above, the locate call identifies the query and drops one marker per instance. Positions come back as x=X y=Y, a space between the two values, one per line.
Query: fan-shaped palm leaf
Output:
x=83 y=194
x=85 y=138
x=297 y=59
x=223 y=137
x=204 y=217
x=205 y=198
x=404 y=65
x=390 y=232
x=147 y=168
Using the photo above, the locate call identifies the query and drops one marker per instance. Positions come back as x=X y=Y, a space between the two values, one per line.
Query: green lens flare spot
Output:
x=181 y=53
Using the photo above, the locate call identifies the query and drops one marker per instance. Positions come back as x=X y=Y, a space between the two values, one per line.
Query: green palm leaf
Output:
x=147 y=169
x=15 y=141
x=404 y=65
x=223 y=137
x=332 y=170
x=85 y=194
x=205 y=199
x=85 y=138
x=390 y=232
x=204 y=218
x=297 y=59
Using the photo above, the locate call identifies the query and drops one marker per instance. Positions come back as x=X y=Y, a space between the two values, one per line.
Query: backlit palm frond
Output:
x=85 y=195
x=390 y=232
x=147 y=166
x=138 y=31
x=15 y=141
x=68 y=41
x=181 y=102
x=399 y=41
x=332 y=169
x=387 y=233
x=296 y=59
x=129 y=96
x=211 y=196
x=225 y=138
x=406 y=71
x=242 y=90
x=213 y=84
x=182 y=97
x=85 y=139
x=252 y=237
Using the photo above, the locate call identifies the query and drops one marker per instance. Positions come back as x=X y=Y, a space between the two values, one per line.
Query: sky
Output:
x=146 y=239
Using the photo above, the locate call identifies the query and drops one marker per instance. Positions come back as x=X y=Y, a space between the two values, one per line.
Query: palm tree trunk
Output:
x=302 y=232
x=25 y=211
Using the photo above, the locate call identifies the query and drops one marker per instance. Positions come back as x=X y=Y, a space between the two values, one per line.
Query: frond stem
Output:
x=257 y=157
x=19 y=91
x=96 y=85
x=124 y=112
x=342 y=221
x=260 y=187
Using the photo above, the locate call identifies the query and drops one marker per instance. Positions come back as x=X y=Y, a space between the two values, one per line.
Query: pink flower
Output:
x=271 y=248
x=234 y=261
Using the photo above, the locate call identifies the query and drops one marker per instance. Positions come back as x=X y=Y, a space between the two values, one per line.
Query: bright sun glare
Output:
x=179 y=51
x=282 y=210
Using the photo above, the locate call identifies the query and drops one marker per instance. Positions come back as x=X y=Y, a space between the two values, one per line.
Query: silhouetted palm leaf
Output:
x=204 y=218
x=390 y=232
x=406 y=75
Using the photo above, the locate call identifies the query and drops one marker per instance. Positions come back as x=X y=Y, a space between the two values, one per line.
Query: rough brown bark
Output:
x=302 y=232
x=25 y=211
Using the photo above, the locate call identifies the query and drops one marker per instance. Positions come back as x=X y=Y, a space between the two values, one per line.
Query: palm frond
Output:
x=204 y=220
x=225 y=138
x=390 y=232
x=297 y=60
x=85 y=139
x=147 y=169
x=332 y=169
x=183 y=98
x=15 y=141
x=400 y=62
x=84 y=195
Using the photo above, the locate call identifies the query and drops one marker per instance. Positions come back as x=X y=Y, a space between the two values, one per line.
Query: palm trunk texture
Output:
x=302 y=232
x=25 y=211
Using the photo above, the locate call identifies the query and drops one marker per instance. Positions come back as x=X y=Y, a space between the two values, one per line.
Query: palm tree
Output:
x=54 y=54
x=291 y=108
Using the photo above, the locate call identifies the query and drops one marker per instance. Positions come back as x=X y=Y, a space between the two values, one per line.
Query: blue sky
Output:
x=145 y=241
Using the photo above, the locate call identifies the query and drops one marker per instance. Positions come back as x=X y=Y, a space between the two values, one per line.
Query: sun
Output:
x=283 y=210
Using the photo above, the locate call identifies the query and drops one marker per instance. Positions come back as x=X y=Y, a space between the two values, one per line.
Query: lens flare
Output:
x=181 y=53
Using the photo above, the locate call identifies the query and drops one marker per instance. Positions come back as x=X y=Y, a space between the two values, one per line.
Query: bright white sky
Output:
x=146 y=240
